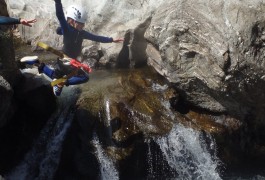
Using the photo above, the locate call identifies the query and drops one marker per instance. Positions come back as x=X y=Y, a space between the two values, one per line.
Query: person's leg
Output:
x=43 y=68
x=50 y=72
x=30 y=60
x=57 y=89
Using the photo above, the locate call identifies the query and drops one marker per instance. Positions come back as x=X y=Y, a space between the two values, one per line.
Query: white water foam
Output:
x=107 y=113
x=187 y=153
x=42 y=160
x=107 y=166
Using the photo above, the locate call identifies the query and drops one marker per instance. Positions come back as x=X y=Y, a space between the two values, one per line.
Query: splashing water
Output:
x=187 y=153
x=149 y=157
x=107 y=167
x=107 y=113
x=42 y=160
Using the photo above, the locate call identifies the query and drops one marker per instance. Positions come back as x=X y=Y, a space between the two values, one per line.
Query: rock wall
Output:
x=25 y=103
x=3 y=10
x=212 y=51
x=105 y=18
x=8 y=74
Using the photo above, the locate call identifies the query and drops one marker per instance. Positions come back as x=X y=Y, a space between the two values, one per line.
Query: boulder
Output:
x=9 y=76
x=212 y=51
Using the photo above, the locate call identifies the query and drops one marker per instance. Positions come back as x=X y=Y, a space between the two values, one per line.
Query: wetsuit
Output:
x=72 y=46
x=72 y=38
x=8 y=20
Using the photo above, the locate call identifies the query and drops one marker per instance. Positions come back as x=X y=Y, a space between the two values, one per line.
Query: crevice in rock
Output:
x=179 y=104
x=257 y=37
x=139 y=44
x=3 y=9
x=123 y=60
x=133 y=53
x=227 y=62
x=191 y=54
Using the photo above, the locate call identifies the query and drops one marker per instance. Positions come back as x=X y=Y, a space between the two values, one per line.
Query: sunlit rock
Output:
x=128 y=106
x=214 y=55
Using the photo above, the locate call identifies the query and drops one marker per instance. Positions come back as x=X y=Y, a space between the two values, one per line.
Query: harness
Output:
x=67 y=61
x=82 y=66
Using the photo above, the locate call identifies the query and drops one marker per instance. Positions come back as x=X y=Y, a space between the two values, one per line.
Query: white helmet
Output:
x=77 y=13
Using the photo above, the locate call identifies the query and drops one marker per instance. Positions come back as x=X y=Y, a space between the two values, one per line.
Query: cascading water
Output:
x=184 y=153
x=188 y=154
x=107 y=167
x=42 y=160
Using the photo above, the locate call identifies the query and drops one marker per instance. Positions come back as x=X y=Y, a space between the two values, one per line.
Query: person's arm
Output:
x=26 y=22
x=93 y=37
x=77 y=80
x=8 y=20
x=102 y=39
x=60 y=15
x=118 y=40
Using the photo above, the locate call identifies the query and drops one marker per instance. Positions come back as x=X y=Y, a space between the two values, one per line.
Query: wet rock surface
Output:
x=26 y=104
x=125 y=108
x=212 y=55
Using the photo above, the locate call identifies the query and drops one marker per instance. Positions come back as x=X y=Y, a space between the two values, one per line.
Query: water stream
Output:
x=190 y=153
x=42 y=160
x=184 y=149
x=107 y=166
x=187 y=153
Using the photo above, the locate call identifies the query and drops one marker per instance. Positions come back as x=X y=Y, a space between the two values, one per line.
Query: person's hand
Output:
x=27 y=22
x=118 y=40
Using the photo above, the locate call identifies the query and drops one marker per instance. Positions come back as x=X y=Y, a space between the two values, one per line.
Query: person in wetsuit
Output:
x=71 y=28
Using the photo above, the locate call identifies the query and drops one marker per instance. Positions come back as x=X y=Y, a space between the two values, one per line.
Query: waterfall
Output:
x=107 y=113
x=189 y=155
x=107 y=167
x=42 y=160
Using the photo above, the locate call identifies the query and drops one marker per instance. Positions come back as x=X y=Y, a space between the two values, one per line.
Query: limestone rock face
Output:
x=212 y=51
x=3 y=9
x=8 y=76
x=107 y=18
